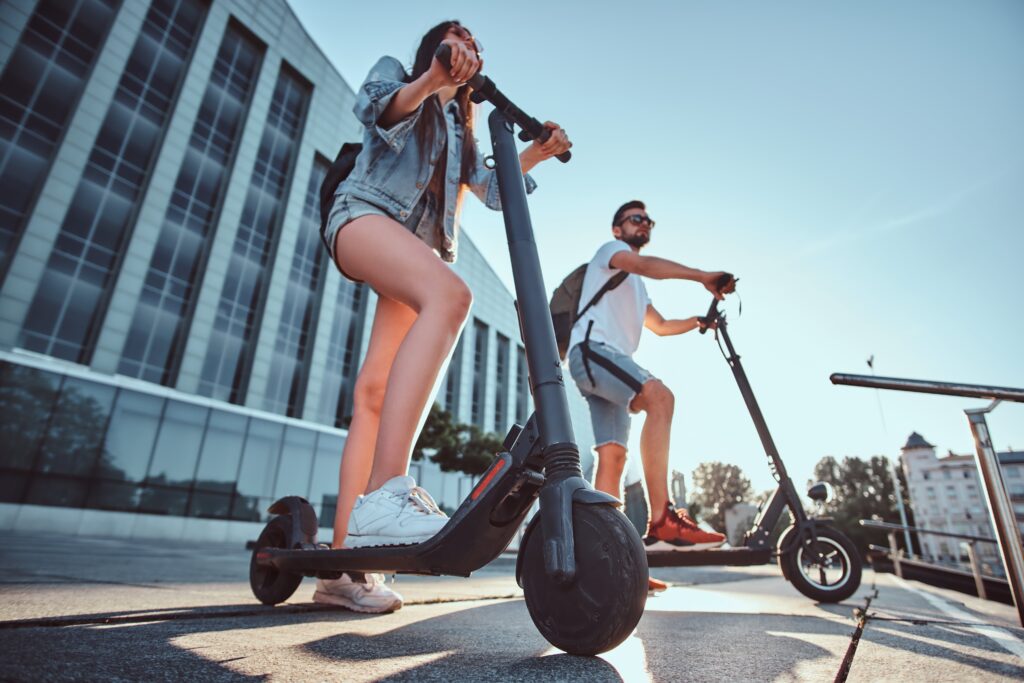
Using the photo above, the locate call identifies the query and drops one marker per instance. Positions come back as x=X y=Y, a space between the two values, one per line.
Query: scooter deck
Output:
x=695 y=558
x=478 y=532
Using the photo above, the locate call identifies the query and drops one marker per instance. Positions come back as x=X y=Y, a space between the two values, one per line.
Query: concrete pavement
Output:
x=102 y=609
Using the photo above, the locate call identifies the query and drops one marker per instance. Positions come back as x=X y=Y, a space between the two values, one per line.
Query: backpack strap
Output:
x=612 y=283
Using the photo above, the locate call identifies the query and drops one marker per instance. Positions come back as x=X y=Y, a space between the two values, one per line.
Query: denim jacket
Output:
x=390 y=171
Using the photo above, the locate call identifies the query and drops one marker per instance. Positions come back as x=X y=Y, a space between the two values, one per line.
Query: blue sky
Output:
x=858 y=165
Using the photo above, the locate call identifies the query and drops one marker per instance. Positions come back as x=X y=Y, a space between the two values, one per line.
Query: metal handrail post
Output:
x=999 y=506
x=972 y=557
x=895 y=553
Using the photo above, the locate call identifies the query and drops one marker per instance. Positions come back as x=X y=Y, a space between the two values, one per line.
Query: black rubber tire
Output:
x=602 y=606
x=269 y=585
x=838 y=548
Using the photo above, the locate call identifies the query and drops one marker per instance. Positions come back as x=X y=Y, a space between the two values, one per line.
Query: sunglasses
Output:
x=637 y=219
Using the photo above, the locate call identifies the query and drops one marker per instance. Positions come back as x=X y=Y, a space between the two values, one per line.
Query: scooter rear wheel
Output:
x=826 y=570
x=602 y=606
x=269 y=585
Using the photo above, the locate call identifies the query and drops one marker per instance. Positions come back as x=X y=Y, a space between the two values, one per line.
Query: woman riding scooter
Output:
x=393 y=224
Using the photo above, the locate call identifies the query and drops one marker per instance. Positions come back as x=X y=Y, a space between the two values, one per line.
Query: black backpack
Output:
x=338 y=171
x=565 y=302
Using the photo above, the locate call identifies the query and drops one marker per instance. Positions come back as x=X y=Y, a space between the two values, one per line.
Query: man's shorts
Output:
x=614 y=379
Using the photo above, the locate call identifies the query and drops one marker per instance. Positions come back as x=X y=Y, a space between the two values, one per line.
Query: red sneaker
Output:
x=655 y=586
x=676 y=530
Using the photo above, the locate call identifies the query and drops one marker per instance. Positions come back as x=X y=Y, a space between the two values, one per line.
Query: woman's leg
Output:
x=391 y=322
x=402 y=268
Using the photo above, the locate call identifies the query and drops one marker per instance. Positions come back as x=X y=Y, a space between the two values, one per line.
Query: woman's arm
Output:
x=465 y=63
x=542 y=151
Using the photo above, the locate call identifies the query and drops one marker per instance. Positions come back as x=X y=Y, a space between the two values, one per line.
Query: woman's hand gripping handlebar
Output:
x=484 y=89
x=726 y=284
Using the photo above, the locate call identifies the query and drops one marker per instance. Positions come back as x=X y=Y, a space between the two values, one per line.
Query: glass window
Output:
x=27 y=398
x=126 y=451
x=222 y=451
x=39 y=88
x=68 y=305
x=156 y=338
x=296 y=463
x=501 y=385
x=259 y=464
x=479 y=372
x=177 y=446
x=229 y=355
x=323 y=493
x=343 y=349
x=453 y=379
x=289 y=365
x=74 y=438
x=130 y=438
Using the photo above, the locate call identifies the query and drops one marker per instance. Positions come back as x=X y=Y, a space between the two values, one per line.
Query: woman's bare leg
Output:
x=401 y=267
x=391 y=322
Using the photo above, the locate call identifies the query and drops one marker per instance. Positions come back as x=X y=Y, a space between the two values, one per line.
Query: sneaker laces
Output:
x=422 y=502
x=683 y=518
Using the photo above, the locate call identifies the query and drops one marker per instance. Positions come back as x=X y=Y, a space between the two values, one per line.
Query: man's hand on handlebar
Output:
x=703 y=326
x=719 y=283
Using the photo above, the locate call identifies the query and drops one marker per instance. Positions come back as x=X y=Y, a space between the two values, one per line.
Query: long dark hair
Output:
x=431 y=120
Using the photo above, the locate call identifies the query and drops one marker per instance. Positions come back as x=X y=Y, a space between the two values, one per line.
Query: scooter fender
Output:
x=303 y=516
x=584 y=495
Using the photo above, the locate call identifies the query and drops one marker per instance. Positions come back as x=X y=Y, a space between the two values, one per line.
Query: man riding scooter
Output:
x=601 y=346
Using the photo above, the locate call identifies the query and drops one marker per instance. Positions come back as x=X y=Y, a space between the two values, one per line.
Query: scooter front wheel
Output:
x=269 y=585
x=827 y=569
x=602 y=605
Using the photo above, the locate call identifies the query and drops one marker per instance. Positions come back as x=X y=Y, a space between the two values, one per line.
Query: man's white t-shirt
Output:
x=619 y=316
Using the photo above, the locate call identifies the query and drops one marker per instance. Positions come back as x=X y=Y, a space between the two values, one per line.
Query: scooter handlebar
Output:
x=713 y=312
x=484 y=89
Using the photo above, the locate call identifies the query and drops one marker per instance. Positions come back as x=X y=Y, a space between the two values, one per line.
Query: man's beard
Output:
x=638 y=240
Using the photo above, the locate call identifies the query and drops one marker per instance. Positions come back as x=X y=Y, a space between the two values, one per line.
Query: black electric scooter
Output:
x=581 y=563
x=818 y=559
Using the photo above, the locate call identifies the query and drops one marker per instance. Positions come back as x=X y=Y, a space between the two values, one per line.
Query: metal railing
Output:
x=996 y=497
x=970 y=542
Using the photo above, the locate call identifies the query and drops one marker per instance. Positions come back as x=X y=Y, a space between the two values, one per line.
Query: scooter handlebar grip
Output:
x=443 y=53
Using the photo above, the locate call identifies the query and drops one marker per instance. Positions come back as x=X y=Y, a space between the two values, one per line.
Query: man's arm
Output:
x=658 y=268
x=656 y=323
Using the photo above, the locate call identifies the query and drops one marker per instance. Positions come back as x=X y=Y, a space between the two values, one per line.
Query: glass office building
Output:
x=176 y=351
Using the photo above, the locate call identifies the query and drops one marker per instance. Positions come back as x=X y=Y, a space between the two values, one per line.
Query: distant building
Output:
x=738 y=520
x=176 y=349
x=947 y=494
x=677 y=488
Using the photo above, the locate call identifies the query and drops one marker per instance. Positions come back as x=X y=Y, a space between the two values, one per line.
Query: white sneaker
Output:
x=398 y=513
x=372 y=597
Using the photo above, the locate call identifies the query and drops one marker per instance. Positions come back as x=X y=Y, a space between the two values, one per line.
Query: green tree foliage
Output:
x=455 y=447
x=863 y=490
x=717 y=487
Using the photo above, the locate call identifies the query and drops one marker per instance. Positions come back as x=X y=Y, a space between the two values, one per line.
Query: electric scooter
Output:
x=581 y=563
x=818 y=559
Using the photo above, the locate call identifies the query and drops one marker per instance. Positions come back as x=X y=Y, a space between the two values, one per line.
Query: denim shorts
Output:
x=614 y=379
x=423 y=221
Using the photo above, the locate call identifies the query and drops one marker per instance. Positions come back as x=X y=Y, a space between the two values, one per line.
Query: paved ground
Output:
x=89 y=609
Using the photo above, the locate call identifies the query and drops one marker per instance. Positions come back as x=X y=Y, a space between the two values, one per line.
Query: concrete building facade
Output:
x=176 y=350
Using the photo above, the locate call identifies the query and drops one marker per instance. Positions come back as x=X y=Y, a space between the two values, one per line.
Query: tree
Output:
x=717 y=487
x=863 y=490
x=456 y=447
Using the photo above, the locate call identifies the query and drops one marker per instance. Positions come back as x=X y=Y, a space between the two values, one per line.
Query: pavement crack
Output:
x=862 y=616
